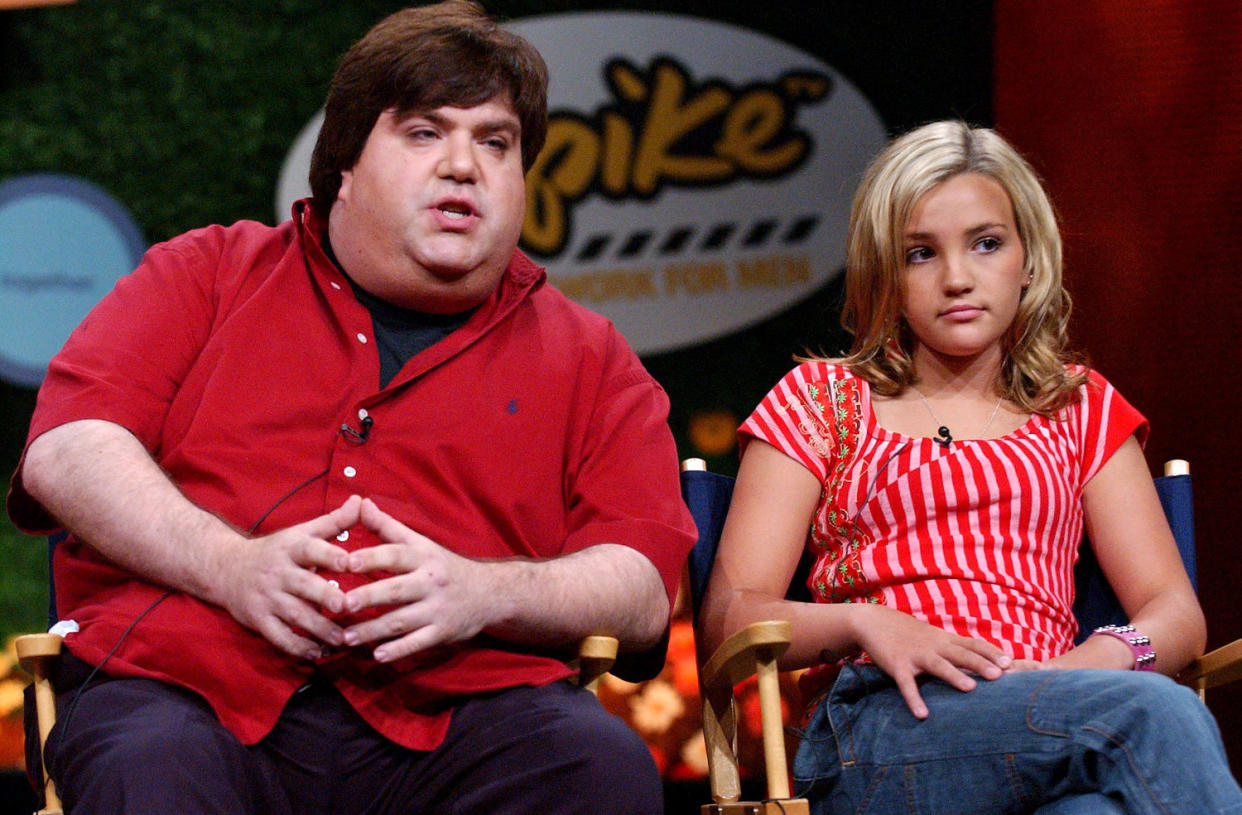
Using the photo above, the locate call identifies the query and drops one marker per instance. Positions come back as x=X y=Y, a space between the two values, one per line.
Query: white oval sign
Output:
x=697 y=176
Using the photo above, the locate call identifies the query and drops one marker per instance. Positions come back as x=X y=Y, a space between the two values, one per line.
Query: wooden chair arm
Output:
x=734 y=660
x=35 y=653
x=1214 y=668
x=596 y=655
x=752 y=650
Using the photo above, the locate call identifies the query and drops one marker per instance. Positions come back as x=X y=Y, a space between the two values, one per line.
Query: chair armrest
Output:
x=1214 y=668
x=36 y=652
x=734 y=660
x=753 y=649
x=596 y=655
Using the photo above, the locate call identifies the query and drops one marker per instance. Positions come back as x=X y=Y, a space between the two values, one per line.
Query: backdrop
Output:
x=1133 y=113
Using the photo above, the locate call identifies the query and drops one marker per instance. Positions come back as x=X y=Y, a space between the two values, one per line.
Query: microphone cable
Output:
x=95 y=670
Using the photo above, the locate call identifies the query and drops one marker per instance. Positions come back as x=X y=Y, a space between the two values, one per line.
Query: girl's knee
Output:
x=1173 y=707
x=1152 y=707
x=1158 y=694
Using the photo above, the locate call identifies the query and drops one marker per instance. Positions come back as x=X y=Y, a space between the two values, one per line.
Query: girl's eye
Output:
x=988 y=244
x=918 y=254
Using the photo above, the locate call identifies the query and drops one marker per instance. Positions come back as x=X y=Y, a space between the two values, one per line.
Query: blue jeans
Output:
x=1046 y=742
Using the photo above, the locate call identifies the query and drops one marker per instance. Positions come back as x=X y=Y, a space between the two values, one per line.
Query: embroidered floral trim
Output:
x=833 y=428
x=813 y=424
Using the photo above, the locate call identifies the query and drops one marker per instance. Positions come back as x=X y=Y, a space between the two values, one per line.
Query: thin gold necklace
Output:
x=946 y=438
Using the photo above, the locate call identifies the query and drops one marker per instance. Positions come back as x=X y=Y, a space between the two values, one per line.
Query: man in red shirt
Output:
x=339 y=491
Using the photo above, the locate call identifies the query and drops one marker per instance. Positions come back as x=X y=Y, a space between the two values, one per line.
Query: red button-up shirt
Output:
x=236 y=355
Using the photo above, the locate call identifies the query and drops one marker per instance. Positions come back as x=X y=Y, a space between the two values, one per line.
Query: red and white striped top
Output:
x=979 y=538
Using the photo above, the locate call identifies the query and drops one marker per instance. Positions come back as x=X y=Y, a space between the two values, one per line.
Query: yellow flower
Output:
x=694 y=753
x=713 y=432
x=657 y=707
x=8 y=657
x=10 y=696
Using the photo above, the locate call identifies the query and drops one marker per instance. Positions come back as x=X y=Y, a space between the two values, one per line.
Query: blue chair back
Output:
x=708 y=494
x=1095 y=604
x=52 y=541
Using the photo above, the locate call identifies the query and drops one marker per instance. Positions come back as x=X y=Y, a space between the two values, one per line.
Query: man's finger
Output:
x=399 y=622
x=331 y=524
x=315 y=552
x=309 y=586
x=399 y=589
x=387 y=528
x=281 y=636
x=387 y=557
x=304 y=617
x=418 y=640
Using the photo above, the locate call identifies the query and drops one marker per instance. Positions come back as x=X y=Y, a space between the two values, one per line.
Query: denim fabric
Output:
x=1047 y=742
x=1093 y=803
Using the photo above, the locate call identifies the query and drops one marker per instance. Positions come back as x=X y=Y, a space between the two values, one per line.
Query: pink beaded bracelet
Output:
x=1140 y=644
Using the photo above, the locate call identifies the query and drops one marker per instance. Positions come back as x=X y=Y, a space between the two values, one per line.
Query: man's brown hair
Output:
x=419 y=59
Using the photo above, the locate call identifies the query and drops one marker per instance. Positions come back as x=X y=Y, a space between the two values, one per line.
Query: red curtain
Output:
x=1132 y=112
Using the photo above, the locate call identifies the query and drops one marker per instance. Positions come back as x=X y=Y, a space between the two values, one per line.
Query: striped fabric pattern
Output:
x=979 y=538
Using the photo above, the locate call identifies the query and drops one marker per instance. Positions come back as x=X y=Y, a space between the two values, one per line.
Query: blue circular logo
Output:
x=63 y=244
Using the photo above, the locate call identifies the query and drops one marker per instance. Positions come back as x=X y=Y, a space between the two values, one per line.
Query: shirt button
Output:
x=362 y=413
x=344 y=536
x=362 y=338
x=335 y=285
x=350 y=472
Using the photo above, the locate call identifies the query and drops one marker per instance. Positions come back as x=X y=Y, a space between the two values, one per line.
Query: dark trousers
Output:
x=140 y=746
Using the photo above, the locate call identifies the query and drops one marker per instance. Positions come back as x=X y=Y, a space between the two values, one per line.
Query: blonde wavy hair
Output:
x=1036 y=373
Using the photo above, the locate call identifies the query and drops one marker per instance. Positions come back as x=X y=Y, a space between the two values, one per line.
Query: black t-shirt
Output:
x=400 y=333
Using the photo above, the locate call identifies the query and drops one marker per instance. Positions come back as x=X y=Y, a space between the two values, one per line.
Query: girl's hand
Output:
x=905 y=648
x=1095 y=652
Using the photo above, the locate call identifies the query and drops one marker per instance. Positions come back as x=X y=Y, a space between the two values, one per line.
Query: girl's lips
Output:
x=961 y=313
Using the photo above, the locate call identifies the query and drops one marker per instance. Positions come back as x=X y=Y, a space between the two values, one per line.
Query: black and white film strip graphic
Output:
x=717 y=237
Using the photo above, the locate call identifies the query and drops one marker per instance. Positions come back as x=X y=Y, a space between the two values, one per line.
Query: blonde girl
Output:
x=946 y=469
